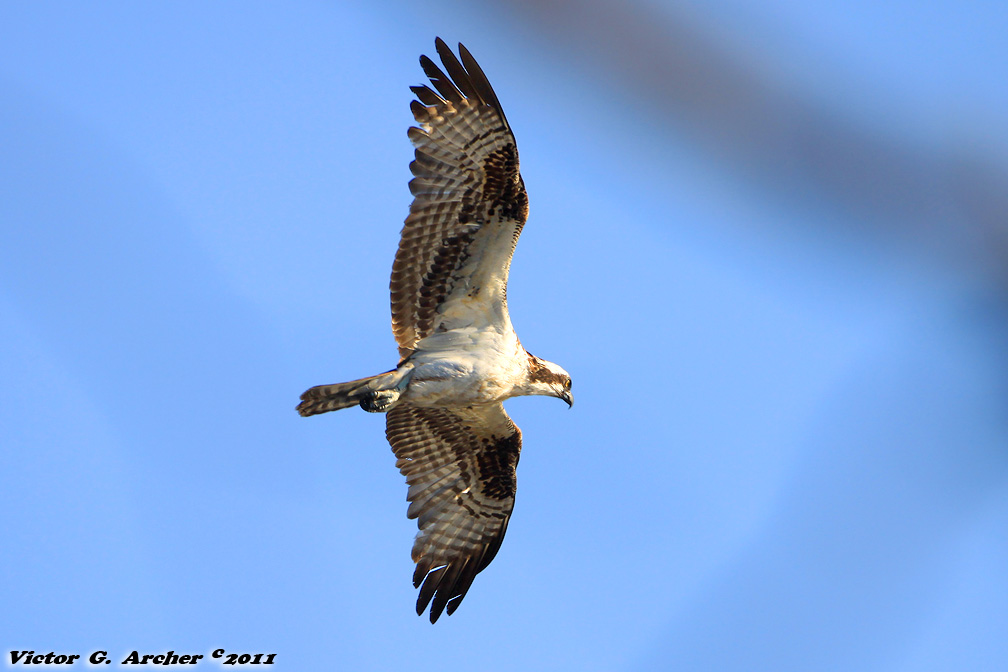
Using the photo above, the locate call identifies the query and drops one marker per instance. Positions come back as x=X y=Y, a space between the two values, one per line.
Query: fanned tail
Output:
x=376 y=394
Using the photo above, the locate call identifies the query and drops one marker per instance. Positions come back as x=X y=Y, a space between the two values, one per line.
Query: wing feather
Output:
x=426 y=96
x=456 y=71
x=460 y=466
x=480 y=81
x=469 y=206
x=440 y=80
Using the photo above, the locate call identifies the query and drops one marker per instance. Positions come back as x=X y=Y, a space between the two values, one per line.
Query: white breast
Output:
x=463 y=367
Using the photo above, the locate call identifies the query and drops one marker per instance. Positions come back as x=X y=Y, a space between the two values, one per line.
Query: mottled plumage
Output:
x=460 y=467
x=459 y=355
x=469 y=207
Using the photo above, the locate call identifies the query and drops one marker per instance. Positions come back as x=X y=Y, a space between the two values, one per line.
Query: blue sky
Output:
x=789 y=449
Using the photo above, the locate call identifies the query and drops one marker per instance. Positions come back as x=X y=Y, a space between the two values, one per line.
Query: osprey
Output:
x=459 y=355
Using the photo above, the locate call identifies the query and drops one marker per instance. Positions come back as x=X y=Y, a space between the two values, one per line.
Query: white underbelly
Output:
x=444 y=393
x=462 y=368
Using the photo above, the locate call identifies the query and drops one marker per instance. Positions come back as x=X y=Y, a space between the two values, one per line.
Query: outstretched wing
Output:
x=468 y=210
x=460 y=467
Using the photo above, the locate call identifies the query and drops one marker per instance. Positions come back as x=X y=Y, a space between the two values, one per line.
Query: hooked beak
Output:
x=566 y=396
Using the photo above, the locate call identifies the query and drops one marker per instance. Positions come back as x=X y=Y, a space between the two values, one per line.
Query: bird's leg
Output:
x=388 y=389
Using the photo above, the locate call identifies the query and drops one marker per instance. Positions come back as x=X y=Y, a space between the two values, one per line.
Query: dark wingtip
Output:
x=453 y=604
x=457 y=72
x=480 y=81
x=440 y=80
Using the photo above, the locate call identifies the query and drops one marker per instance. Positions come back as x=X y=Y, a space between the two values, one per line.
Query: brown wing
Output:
x=460 y=467
x=468 y=210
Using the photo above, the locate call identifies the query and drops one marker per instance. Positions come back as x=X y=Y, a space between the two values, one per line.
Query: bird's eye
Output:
x=567 y=385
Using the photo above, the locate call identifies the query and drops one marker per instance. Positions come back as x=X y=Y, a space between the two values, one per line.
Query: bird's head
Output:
x=549 y=379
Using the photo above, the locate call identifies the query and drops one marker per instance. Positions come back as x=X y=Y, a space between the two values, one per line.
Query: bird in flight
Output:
x=459 y=355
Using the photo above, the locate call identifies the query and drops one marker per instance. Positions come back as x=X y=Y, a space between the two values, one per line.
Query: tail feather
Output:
x=325 y=398
x=375 y=393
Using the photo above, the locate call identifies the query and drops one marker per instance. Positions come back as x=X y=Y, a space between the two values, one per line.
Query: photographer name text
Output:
x=170 y=658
